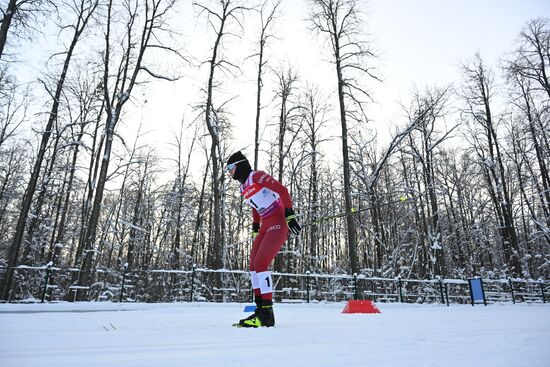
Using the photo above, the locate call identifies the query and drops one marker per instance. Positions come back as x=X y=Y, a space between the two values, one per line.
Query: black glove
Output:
x=255 y=230
x=291 y=221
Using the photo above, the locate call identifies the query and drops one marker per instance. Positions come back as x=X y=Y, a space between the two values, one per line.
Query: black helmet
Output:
x=242 y=165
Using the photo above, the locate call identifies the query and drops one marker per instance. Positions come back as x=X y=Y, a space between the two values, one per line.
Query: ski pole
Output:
x=402 y=199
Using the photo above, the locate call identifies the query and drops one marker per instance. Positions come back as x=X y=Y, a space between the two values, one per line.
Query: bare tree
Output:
x=531 y=121
x=7 y=16
x=267 y=18
x=315 y=114
x=20 y=16
x=289 y=114
x=200 y=214
x=288 y=125
x=179 y=190
x=429 y=111
x=527 y=73
x=13 y=107
x=13 y=162
x=531 y=59
x=138 y=38
x=368 y=166
x=82 y=108
x=139 y=226
x=83 y=12
x=221 y=20
x=338 y=21
x=478 y=94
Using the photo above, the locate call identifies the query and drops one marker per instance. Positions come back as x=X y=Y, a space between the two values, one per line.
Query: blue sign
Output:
x=476 y=291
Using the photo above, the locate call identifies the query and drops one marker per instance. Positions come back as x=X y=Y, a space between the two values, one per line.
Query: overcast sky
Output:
x=423 y=42
x=420 y=43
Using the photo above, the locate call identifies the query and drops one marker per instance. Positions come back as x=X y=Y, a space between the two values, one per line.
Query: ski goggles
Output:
x=230 y=166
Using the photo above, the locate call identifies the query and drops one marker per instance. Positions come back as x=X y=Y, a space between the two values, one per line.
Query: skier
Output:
x=272 y=218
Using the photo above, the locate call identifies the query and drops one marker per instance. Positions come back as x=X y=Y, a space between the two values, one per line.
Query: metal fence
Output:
x=40 y=284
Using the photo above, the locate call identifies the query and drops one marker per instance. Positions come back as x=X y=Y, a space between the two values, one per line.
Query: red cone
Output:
x=360 y=306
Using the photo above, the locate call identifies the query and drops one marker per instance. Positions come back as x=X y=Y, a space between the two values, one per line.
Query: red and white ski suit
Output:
x=268 y=199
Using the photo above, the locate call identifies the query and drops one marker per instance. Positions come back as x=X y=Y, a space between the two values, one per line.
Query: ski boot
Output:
x=263 y=316
x=258 y=302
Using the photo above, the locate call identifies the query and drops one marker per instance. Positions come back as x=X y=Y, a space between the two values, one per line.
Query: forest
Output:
x=461 y=188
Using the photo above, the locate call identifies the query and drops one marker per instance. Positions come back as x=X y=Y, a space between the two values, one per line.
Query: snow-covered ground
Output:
x=306 y=335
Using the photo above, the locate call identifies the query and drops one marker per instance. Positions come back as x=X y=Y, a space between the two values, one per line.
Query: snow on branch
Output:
x=157 y=76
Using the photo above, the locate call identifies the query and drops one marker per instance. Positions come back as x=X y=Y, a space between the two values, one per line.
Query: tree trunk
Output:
x=213 y=129
x=5 y=25
x=91 y=232
x=259 y=85
x=351 y=235
x=200 y=214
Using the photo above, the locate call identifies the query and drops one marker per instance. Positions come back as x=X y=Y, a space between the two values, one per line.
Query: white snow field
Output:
x=306 y=335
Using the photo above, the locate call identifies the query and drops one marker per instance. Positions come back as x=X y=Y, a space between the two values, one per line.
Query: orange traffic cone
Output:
x=360 y=306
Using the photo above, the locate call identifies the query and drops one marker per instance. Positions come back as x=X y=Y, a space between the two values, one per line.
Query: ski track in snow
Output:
x=308 y=335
